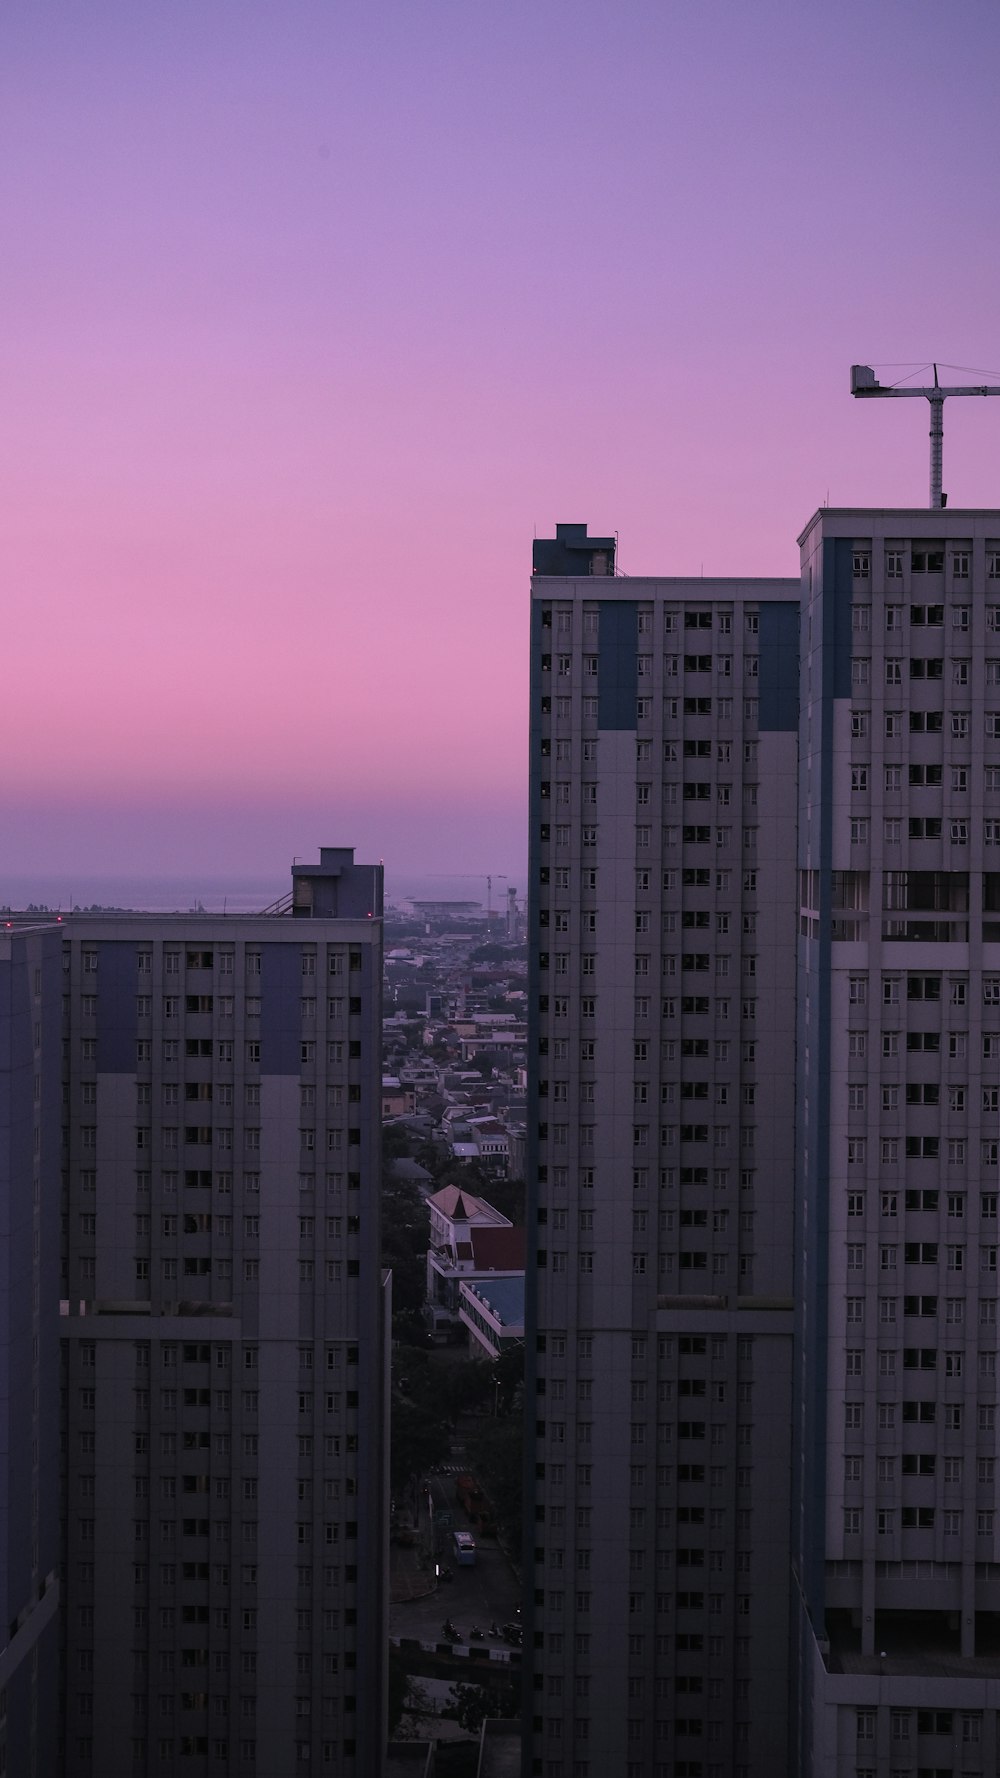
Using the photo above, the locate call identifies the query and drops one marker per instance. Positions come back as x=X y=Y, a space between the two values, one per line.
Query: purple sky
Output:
x=313 y=314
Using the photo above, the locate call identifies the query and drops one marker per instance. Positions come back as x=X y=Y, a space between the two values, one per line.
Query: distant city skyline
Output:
x=311 y=318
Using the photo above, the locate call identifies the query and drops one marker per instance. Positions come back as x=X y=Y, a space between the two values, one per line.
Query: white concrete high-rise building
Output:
x=662 y=930
x=897 y=1536
x=223 y=1326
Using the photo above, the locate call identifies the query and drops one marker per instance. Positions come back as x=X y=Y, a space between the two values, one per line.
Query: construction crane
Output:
x=864 y=384
x=480 y=876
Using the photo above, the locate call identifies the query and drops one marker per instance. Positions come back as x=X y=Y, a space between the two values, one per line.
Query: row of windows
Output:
x=673 y=665
x=223 y=1007
x=923 y=987
x=221 y=1093
x=925 y=1722
x=957 y=723
x=200 y=1352
x=223 y=960
x=955 y=1150
x=723 y=1135
x=918 y=1253
x=922 y=1093
x=688 y=1004
x=202 y=1179
x=220 y=1269
x=918 y=1358
x=922 y=1463
x=919 y=827
x=650 y=882
x=696 y=962
x=562 y=792
x=563 y=835
x=923 y=560
x=926 y=777
x=198 y=1746
x=206 y=1135
x=673 y=709
x=558 y=1263
x=924 y=1307
x=953 y=1043
x=924 y=1200
x=721 y=751
x=203 y=1223
x=922 y=667
x=673 y=619
x=890 y=1414
x=667 y=1346
x=669 y=1178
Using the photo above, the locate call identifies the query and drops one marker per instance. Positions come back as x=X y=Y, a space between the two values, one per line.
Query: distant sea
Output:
x=233 y=895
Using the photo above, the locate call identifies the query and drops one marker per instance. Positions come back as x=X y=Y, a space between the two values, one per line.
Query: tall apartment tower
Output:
x=224 y=1338
x=897 y=1522
x=30 y=1096
x=662 y=930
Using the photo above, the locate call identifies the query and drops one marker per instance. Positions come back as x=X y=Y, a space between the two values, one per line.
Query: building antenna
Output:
x=864 y=383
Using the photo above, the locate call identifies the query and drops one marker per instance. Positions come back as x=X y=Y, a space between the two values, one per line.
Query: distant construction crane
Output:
x=479 y=876
x=864 y=384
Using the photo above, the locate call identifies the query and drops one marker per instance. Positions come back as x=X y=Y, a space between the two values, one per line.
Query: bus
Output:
x=465 y=1549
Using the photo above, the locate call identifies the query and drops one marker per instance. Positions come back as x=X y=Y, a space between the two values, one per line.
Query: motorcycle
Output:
x=476 y=1634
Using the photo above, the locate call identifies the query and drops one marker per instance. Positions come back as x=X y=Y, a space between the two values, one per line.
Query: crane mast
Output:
x=864 y=384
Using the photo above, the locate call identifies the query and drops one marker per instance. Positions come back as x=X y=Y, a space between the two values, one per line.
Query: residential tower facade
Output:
x=897 y=1554
x=223 y=1329
x=661 y=1123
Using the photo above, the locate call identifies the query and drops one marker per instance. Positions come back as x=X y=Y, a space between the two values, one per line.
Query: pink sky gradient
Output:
x=312 y=315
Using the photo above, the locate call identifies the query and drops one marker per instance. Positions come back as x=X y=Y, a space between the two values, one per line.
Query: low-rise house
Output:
x=470 y=1241
x=397 y=1100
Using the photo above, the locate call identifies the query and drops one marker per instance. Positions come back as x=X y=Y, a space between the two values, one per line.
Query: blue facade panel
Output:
x=281 y=1009
x=617 y=663
x=778 y=668
x=838 y=581
x=117 y=982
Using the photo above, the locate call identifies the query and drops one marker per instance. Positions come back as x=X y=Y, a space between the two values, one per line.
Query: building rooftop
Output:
x=461 y=1206
x=503 y=1297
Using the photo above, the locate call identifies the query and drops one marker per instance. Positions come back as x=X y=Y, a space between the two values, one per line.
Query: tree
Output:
x=507 y=1373
x=419 y=1441
x=507 y=1196
x=471 y=1704
x=467 y=1386
x=497 y=1453
x=405 y=1239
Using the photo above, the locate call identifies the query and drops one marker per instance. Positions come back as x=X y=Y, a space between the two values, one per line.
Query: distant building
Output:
x=398 y=1100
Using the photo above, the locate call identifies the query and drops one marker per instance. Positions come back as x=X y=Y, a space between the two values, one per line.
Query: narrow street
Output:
x=477 y=1597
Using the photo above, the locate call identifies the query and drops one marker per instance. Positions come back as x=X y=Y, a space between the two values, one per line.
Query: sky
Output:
x=312 y=315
